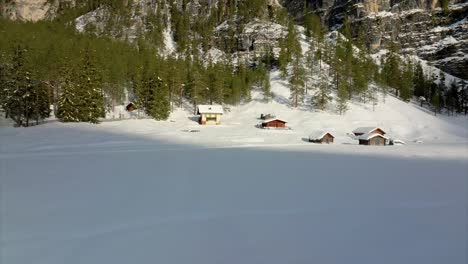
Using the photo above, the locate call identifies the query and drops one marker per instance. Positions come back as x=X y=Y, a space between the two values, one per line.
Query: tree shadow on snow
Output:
x=195 y=119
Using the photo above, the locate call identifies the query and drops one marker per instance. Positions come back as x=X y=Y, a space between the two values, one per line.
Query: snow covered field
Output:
x=141 y=191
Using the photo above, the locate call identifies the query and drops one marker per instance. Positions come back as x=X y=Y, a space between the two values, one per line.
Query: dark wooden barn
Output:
x=321 y=137
x=131 y=107
x=274 y=123
x=373 y=139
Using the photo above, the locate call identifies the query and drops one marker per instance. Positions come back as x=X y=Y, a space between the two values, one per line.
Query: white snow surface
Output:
x=210 y=109
x=365 y=130
x=169 y=44
x=145 y=191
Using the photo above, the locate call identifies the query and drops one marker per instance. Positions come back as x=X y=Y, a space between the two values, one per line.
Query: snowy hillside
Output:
x=142 y=191
x=145 y=191
x=418 y=127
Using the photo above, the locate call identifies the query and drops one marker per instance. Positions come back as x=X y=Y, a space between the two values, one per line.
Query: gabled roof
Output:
x=365 y=130
x=317 y=135
x=210 y=109
x=273 y=119
x=370 y=135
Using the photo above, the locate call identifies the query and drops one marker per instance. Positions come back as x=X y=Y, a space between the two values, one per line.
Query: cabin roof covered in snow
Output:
x=365 y=130
x=210 y=109
x=370 y=135
x=273 y=119
x=317 y=135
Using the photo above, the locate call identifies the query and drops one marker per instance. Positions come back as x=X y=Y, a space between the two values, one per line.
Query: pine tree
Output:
x=3 y=81
x=436 y=103
x=373 y=96
x=442 y=88
x=311 y=61
x=159 y=106
x=406 y=86
x=359 y=77
x=40 y=107
x=463 y=96
x=444 y=5
x=283 y=58
x=419 y=81
x=67 y=109
x=197 y=84
x=262 y=80
x=312 y=25
x=322 y=97
x=453 y=98
x=82 y=99
x=90 y=94
x=342 y=102
x=297 y=82
x=391 y=70
x=22 y=96
x=267 y=93
x=215 y=83
x=290 y=49
x=173 y=76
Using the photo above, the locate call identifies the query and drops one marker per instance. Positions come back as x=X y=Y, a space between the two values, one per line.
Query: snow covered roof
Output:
x=365 y=130
x=317 y=135
x=273 y=119
x=210 y=109
x=370 y=135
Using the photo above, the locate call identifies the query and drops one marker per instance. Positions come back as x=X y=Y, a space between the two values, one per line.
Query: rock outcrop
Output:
x=421 y=27
x=257 y=36
x=33 y=10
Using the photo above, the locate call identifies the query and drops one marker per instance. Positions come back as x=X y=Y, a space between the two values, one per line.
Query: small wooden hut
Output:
x=321 y=137
x=210 y=114
x=372 y=139
x=131 y=107
x=274 y=123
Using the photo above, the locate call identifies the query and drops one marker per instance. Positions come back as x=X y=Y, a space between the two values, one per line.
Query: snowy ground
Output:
x=141 y=191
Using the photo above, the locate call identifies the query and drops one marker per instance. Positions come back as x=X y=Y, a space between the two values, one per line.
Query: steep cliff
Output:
x=33 y=10
x=434 y=30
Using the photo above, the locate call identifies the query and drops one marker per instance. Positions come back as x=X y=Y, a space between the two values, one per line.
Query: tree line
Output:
x=83 y=76
x=351 y=73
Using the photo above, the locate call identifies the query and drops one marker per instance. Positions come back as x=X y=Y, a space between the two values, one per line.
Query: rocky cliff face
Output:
x=421 y=27
x=33 y=10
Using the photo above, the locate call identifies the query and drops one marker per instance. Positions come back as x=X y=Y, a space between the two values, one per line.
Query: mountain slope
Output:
x=434 y=30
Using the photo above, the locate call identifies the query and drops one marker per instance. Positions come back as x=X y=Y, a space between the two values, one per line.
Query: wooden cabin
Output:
x=131 y=107
x=274 y=123
x=322 y=137
x=210 y=114
x=372 y=139
x=368 y=130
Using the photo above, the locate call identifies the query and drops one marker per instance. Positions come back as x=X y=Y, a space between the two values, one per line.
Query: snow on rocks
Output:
x=95 y=17
x=170 y=46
